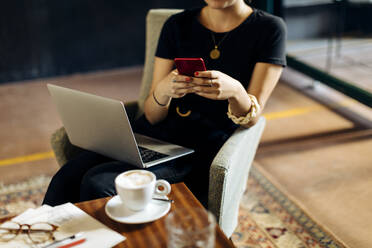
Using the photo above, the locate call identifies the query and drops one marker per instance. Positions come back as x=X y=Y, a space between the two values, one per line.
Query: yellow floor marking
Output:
x=289 y=113
x=268 y=116
x=305 y=110
x=27 y=158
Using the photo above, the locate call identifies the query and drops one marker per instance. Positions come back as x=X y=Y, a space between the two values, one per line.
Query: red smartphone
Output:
x=188 y=66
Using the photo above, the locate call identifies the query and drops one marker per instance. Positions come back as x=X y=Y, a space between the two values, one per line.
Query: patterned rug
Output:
x=267 y=218
x=16 y=198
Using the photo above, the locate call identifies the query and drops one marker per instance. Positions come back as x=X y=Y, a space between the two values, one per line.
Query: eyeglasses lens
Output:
x=40 y=232
x=8 y=230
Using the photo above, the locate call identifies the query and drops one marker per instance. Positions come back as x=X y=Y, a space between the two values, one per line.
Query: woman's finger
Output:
x=178 y=95
x=181 y=78
x=206 y=74
x=182 y=85
x=207 y=82
x=207 y=89
x=183 y=91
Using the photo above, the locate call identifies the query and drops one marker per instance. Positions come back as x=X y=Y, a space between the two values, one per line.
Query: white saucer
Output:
x=154 y=210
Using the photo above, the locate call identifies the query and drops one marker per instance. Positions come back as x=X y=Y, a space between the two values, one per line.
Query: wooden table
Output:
x=151 y=234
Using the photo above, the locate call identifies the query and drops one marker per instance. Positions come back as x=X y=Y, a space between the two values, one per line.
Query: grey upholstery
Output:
x=229 y=173
x=230 y=168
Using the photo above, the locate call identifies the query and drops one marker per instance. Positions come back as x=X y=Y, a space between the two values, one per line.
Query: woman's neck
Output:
x=224 y=19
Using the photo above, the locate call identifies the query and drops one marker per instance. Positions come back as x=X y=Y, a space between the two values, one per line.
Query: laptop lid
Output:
x=101 y=125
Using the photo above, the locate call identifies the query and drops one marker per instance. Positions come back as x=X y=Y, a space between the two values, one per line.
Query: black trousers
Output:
x=90 y=175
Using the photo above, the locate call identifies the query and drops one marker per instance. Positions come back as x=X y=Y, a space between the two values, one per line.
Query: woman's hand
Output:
x=216 y=85
x=166 y=84
x=174 y=86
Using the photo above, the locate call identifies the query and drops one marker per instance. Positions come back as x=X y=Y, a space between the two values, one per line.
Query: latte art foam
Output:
x=135 y=179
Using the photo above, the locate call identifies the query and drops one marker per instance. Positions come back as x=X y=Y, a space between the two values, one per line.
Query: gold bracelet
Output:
x=182 y=114
x=156 y=100
x=253 y=111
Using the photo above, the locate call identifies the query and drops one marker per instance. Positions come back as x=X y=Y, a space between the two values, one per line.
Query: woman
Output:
x=244 y=52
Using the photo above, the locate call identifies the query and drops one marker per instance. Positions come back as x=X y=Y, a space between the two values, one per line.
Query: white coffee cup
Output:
x=137 y=187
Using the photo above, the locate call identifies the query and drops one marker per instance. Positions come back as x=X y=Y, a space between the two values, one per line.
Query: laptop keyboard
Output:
x=150 y=155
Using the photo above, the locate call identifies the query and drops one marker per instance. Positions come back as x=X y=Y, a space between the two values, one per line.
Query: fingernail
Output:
x=196 y=73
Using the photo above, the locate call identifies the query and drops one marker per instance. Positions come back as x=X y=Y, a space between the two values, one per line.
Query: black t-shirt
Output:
x=260 y=38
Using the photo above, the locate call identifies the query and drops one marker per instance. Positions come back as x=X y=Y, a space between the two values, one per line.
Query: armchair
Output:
x=230 y=168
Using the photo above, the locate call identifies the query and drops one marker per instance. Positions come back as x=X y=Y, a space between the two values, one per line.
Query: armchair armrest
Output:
x=62 y=147
x=229 y=173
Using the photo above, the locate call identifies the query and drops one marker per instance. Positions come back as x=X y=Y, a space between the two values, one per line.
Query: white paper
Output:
x=71 y=220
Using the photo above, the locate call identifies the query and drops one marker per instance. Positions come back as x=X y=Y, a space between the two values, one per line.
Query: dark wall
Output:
x=43 y=38
x=329 y=20
x=310 y=21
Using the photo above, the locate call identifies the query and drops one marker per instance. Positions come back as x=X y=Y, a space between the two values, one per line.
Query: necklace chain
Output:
x=219 y=43
x=215 y=53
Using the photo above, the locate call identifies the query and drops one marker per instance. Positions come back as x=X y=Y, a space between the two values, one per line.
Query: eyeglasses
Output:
x=37 y=232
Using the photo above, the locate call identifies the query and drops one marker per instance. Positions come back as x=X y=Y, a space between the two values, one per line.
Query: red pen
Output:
x=77 y=242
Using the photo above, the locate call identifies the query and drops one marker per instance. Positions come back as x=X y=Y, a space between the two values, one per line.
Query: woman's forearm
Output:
x=156 y=106
x=240 y=103
x=264 y=78
x=157 y=102
x=241 y=106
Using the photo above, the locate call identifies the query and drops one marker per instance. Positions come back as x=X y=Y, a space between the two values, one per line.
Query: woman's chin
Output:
x=219 y=4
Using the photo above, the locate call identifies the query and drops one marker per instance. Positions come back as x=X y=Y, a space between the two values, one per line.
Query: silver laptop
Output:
x=101 y=125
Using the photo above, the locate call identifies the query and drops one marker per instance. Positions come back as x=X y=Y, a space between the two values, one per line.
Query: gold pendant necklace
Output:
x=215 y=53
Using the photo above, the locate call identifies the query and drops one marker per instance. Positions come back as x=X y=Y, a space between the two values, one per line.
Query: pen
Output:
x=64 y=240
x=72 y=243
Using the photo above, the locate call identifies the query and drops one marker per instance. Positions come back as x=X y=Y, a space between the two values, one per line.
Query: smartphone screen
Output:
x=188 y=66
